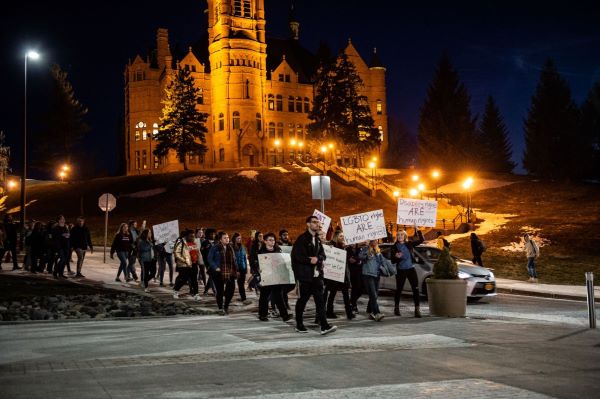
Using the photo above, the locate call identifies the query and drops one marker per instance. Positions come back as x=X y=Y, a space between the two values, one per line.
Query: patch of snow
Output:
x=491 y=222
x=533 y=233
x=146 y=193
x=249 y=174
x=279 y=168
x=478 y=185
x=199 y=180
x=306 y=169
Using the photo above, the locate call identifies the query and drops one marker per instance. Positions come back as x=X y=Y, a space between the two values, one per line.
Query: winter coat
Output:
x=477 y=247
x=302 y=250
x=222 y=257
x=182 y=250
x=145 y=250
x=80 y=237
x=60 y=237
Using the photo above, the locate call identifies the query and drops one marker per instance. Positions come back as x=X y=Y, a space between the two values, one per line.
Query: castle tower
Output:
x=237 y=55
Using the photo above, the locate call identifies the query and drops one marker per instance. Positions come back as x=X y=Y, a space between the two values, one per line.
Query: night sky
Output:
x=498 y=49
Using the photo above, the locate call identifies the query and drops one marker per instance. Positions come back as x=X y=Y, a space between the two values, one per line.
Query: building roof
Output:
x=300 y=59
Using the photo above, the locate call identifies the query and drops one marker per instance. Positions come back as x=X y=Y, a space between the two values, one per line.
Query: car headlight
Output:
x=463 y=275
x=491 y=275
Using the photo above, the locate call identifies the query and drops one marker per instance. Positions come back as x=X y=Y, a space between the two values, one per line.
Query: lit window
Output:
x=144 y=160
x=291 y=104
x=137 y=135
x=236 y=120
x=280 y=130
x=221 y=122
x=306 y=105
x=271 y=130
x=299 y=131
x=200 y=99
x=279 y=102
x=379 y=107
x=380 y=132
x=271 y=102
x=144 y=135
x=298 y=104
x=154 y=130
x=156 y=162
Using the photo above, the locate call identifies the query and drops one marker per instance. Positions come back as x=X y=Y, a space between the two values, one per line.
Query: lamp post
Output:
x=373 y=166
x=467 y=186
x=421 y=188
x=435 y=174
x=33 y=56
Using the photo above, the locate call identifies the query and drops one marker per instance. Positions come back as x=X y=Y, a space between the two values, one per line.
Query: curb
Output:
x=551 y=295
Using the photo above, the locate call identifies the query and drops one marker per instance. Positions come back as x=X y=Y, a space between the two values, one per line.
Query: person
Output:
x=10 y=240
x=121 y=245
x=477 y=248
x=372 y=260
x=307 y=262
x=223 y=270
x=165 y=258
x=36 y=243
x=241 y=259
x=49 y=259
x=273 y=292
x=60 y=237
x=356 y=280
x=257 y=244
x=402 y=256
x=332 y=287
x=147 y=257
x=284 y=239
x=532 y=251
x=202 y=268
x=186 y=260
x=207 y=243
x=80 y=242
x=134 y=234
x=27 y=245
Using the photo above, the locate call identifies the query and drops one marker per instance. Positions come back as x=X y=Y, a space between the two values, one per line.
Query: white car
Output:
x=481 y=282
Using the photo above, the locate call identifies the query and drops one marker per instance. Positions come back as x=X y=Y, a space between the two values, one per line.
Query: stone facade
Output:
x=256 y=90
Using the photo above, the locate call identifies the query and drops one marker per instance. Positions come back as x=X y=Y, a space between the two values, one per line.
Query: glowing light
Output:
x=32 y=55
x=301 y=144
x=330 y=145
x=435 y=174
x=468 y=183
x=396 y=194
x=372 y=165
x=62 y=174
x=277 y=143
x=323 y=149
x=421 y=187
x=415 y=177
x=413 y=192
x=374 y=159
x=66 y=168
x=292 y=142
x=11 y=184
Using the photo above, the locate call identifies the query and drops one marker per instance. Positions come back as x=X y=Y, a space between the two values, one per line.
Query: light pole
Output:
x=467 y=186
x=33 y=56
x=421 y=188
x=373 y=166
x=435 y=174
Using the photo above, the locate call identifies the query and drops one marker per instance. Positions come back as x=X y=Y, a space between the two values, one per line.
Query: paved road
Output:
x=505 y=351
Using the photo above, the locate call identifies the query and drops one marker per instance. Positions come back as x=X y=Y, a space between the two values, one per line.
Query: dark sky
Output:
x=498 y=48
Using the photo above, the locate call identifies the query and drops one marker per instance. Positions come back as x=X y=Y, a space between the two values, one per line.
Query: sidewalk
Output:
x=576 y=292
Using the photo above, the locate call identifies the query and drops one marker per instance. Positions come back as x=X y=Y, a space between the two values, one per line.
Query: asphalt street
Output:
x=510 y=347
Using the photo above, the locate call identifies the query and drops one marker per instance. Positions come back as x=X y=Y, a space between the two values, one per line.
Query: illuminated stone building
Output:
x=256 y=90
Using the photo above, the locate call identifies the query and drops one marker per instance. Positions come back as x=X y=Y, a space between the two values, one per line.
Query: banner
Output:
x=422 y=213
x=334 y=267
x=286 y=249
x=275 y=268
x=165 y=232
x=324 y=219
x=364 y=226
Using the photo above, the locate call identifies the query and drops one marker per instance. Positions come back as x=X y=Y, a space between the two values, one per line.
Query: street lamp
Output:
x=62 y=174
x=413 y=192
x=373 y=167
x=436 y=175
x=467 y=186
x=33 y=55
x=421 y=188
x=11 y=184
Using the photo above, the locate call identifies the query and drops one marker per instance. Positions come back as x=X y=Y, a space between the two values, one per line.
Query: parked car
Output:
x=481 y=282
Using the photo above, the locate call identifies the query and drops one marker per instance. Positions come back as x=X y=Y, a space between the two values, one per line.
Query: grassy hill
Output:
x=567 y=216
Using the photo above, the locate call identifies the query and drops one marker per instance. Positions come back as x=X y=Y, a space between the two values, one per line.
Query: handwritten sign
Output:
x=324 y=219
x=334 y=267
x=363 y=226
x=276 y=268
x=417 y=212
x=165 y=232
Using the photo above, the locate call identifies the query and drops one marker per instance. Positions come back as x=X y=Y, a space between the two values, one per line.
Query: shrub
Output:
x=445 y=268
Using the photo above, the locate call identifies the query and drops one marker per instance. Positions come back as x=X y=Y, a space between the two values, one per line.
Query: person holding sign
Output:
x=307 y=262
x=271 y=291
x=332 y=287
x=401 y=256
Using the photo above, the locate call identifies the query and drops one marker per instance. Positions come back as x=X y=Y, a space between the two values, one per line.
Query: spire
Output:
x=375 y=60
x=294 y=24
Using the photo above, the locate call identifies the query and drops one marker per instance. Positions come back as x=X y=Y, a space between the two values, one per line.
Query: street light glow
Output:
x=415 y=177
x=372 y=165
x=323 y=149
x=468 y=183
x=413 y=192
x=32 y=55
x=330 y=145
x=11 y=184
x=374 y=159
x=293 y=142
x=396 y=194
x=301 y=144
x=277 y=143
x=66 y=167
x=421 y=187
x=435 y=174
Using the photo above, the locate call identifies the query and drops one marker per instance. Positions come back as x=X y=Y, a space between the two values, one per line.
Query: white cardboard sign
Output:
x=324 y=219
x=364 y=226
x=165 y=232
x=421 y=213
x=275 y=268
x=334 y=267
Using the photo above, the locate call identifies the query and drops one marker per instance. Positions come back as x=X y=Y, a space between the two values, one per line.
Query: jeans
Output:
x=401 y=276
x=531 y=267
x=241 y=281
x=274 y=291
x=331 y=289
x=123 y=258
x=149 y=271
x=225 y=288
x=312 y=288
x=164 y=259
x=80 y=257
x=131 y=267
x=61 y=262
x=371 y=285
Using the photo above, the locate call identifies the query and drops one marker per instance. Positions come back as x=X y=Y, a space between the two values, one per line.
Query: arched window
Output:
x=221 y=122
x=236 y=120
x=291 y=104
x=279 y=130
x=279 y=102
x=298 y=104
x=379 y=107
x=306 y=105
x=271 y=102
x=258 y=122
x=138 y=127
x=291 y=131
x=271 y=130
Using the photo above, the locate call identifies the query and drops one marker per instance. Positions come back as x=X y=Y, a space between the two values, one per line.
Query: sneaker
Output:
x=263 y=318
x=118 y=280
x=175 y=295
x=372 y=316
x=161 y=285
x=379 y=316
x=301 y=329
x=418 y=312
x=127 y=279
x=354 y=309
x=170 y=284
x=274 y=314
x=222 y=312
x=146 y=289
x=79 y=275
x=287 y=318
x=197 y=297
x=328 y=330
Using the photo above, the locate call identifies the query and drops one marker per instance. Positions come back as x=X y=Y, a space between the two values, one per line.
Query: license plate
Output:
x=489 y=287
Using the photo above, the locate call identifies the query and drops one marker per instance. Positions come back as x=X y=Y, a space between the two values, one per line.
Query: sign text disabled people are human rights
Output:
x=363 y=226
x=416 y=212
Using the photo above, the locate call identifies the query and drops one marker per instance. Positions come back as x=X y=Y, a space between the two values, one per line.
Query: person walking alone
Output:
x=532 y=251
x=477 y=249
x=80 y=242
x=401 y=256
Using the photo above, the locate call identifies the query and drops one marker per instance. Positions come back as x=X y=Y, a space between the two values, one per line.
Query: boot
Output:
x=397 y=310
x=418 y=312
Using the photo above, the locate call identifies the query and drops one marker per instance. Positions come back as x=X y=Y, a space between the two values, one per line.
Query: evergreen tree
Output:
x=552 y=142
x=64 y=125
x=402 y=150
x=181 y=124
x=590 y=130
x=446 y=134
x=495 y=149
x=339 y=112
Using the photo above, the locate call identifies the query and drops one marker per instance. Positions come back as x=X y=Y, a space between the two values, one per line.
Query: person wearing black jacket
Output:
x=307 y=262
x=10 y=240
x=332 y=287
x=273 y=291
x=61 y=241
x=477 y=248
x=402 y=255
x=80 y=242
x=36 y=245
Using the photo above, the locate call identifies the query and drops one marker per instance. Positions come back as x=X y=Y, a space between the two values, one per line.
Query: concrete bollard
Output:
x=589 y=282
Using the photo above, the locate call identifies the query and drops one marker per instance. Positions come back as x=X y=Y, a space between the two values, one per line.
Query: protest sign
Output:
x=165 y=232
x=416 y=212
x=334 y=267
x=275 y=268
x=364 y=226
x=286 y=249
x=324 y=219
